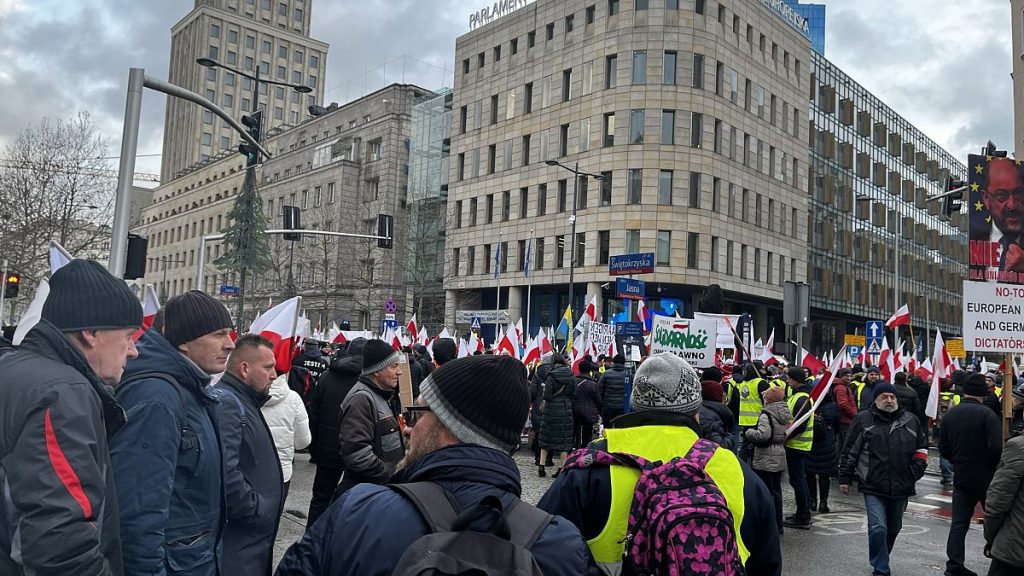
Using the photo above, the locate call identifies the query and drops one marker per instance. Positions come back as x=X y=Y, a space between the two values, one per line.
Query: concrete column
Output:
x=761 y=322
x=515 y=305
x=594 y=290
x=451 y=303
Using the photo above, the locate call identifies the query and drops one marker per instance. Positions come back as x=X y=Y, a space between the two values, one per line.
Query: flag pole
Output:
x=295 y=319
x=913 y=343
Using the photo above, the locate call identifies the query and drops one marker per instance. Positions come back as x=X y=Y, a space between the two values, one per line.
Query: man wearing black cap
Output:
x=460 y=431
x=887 y=452
x=866 y=392
x=58 y=507
x=371 y=438
x=970 y=438
x=167 y=459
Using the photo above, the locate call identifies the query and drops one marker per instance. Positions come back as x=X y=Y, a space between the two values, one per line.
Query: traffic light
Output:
x=254 y=124
x=11 y=285
x=385 y=228
x=292 y=220
x=951 y=203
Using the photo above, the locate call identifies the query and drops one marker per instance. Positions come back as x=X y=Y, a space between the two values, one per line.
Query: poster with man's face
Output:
x=996 y=225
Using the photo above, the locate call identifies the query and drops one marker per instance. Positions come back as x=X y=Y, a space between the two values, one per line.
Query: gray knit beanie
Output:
x=666 y=382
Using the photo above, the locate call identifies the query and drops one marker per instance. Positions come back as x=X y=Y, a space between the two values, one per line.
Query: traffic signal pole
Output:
x=3 y=294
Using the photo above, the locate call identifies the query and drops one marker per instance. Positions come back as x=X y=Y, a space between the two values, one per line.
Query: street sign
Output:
x=854 y=351
x=386 y=324
x=854 y=340
x=955 y=347
x=629 y=329
x=625 y=264
x=389 y=316
x=874 y=330
x=629 y=288
x=474 y=324
x=390 y=307
x=485 y=316
x=228 y=290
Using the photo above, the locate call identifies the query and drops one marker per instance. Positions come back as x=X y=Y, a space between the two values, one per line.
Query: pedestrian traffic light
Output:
x=292 y=220
x=11 y=285
x=254 y=125
x=385 y=229
x=951 y=203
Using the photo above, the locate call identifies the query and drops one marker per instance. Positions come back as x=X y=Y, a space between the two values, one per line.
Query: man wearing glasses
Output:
x=370 y=434
x=1002 y=196
x=460 y=431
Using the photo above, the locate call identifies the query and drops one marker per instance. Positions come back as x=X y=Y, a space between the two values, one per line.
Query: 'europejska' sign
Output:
x=789 y=15
x=494 y=11
x=691 y=340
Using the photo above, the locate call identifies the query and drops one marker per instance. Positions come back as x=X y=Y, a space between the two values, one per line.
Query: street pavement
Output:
x=835 y=544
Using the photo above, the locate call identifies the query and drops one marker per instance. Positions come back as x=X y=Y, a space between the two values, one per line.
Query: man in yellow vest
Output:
x=750 y=390
x=798 y=447
x=662 y=424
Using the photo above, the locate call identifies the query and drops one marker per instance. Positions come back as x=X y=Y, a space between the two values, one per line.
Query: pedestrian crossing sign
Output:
x=474 y=324
x=874 y=347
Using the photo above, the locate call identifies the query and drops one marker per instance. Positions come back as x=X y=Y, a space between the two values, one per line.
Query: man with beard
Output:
x=1002 y=194
x=460 y=432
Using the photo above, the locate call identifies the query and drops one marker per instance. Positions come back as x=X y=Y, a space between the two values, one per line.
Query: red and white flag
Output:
x=463 y=349
x=507 y=344
x=811 y=362
x=411 y=327
x=545 y=343
x=886 y=366
x=940 y=364
x=643 y=314
x=279 y=325
x=768 y=352
x=532 y=354
x=150 y=306
x=901 y=317
x=421 y=337
x=821 y=389
x=520 y=337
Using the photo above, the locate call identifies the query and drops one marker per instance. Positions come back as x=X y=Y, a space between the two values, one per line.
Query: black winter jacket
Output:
x=325 y=409
x=907 y=397
x=824 y=456
x=713 y=427
x=886 y=453
x=923 y=389
x=584 y=496
x=971 y=438
x=559 y=391
x=253 y=483
x=612 y=386
x=371 y=441
x=54 y=409
x=586 y=406
x=368 y=529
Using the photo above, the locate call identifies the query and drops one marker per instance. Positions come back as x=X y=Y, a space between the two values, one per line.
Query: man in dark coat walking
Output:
x=325 y=421
x=586 y=405
x=970 y=438
x=460 y=433
x=253 y=484
x=612 y=386
x=58 y=507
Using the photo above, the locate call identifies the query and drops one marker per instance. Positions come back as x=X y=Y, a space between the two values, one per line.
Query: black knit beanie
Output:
x=192 y=315
x=481 y=400
x=377 y=355
x=975 y=385
x=85 y=296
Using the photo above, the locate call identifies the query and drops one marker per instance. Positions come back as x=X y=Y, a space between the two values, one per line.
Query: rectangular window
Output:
x=494 y=109
x=559 y=251
x=603 y=247
x=716 y=193
x=492 y=158
x=455 y=262
x=460 y=166
x=698 y=70
x=609 y=129
x=745 y=204
x=488 y=261
x=531 y=39
x=568 y=23
x=665 y=187
x=490 y=209
x=590 y=12
x=549 y=31
x=584 y=135
x=757 y=264
x=566 y=85
x=581 y=192
x=668 y=127
x=692 y=249
x=663 y=252
x=636 y=127
x=613 y=7
x=508 y=155
x=611 y=70
x=696 y=129
x=506 y=205
x=542 y=199
x=528 y=98
x=471 y=260
x=563 y=186
x=330 y=192
x=606 y=188
x=632 y=241
x=758 y=209
x=714 y=253
x=671 y=4
x=668 y=73
x=587 y=80
x=694 y=190
x=538 y=259
x=729 y=254
x=513 y=46
x=524 y=197
x=497 y=53
x=718 y=137
x=581 y=249
x=743 y=261
x=641 y=5
x=640 y=67
x=473 y=202
x=563 y=140
x=458 y=214
x=634 y=190
x=526 y=150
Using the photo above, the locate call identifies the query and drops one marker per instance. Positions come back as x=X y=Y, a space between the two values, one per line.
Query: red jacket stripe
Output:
x=63 y=468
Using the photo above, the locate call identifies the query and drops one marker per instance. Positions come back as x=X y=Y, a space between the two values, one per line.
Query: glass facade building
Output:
x=815 y=15
x=876 y=242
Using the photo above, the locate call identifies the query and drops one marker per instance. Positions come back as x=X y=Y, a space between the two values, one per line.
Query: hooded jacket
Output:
x=368 y=529
x=170 y=447
x=886 y=452
x=1004 y=506
x=325 y=408
x=288 y=423
x=586 y=405
x=771 y=424
x=612 y=386
x=55 y=418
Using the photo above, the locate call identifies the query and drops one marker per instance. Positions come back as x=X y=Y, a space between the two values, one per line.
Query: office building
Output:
x=814 y=14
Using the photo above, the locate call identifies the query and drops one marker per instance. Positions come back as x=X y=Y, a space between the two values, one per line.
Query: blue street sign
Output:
x=228 y=290
x=874 y=332
x=629 y=329
x=474 y=324
x=625 y=264
x=854 y=351
x=385 y=324
x=629 y=288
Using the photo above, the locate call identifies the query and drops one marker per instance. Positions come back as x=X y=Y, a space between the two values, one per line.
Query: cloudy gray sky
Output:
x=943 y=64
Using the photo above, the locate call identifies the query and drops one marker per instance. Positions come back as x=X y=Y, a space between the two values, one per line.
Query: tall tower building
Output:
x=242 y=34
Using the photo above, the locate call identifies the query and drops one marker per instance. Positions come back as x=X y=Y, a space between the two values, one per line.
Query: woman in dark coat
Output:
x=823 y=461
x=586 y=406
x=556 y=432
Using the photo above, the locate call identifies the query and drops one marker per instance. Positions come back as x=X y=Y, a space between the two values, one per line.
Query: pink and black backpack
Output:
x=679 y=523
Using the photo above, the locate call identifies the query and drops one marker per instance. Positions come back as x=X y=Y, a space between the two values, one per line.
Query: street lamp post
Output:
x=251 y=166
x=572 y=219
x=166 y=260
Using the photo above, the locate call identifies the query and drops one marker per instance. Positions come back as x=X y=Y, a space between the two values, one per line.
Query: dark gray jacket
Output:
x=252 y=478
x=371 y=441
x=1004 y=506
x=612 y=386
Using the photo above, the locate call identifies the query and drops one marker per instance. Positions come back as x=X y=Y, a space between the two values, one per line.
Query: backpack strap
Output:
x=701 y=452
x=526 y=523
x=220 y=393
x=588 y=457
x=433 y=503
x=182 y=405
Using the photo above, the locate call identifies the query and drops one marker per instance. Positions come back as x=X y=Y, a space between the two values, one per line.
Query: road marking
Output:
x=931 y=479
x=843 y=524
x=921 y=507
x=940 y=498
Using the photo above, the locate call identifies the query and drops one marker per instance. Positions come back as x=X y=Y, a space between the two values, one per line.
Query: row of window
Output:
x=733 y=201
x=266 y=47
x=303 y=199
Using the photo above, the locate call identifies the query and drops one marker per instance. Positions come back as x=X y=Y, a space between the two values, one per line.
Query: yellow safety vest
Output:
x=728 y=388
x=999 y=392
x=860 y=388
x=947 y=396
x=750 y=402
x=659 y=443
x=805 y=439
x=778 y=383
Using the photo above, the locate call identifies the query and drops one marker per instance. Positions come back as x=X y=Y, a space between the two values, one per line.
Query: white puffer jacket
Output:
x=286 y=416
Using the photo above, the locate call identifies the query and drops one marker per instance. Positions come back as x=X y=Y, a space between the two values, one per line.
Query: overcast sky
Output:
x=943 y=64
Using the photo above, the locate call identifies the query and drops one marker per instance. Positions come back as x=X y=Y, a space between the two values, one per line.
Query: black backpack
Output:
x=453 y=548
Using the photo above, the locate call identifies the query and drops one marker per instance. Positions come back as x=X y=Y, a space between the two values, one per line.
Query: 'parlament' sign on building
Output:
x=494 y=11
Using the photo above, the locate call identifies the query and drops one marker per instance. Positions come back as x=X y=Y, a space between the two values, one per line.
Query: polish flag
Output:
x=821 y=389
x=411 y=327
x=335 y=335
x=811 y=362
x=150 y=306
x=901 y=317
x=475 y=344
x=862 y=358
x=279 y=325
x=643 y=314
x=519 y=333
x=886 y=365
x=390 y=337
x=545 y=343
x=940 y=364
x=58 y=256
x=507 y=344
x=532 y=355
x=421 y=337
x=768 y=352
x=463 y=349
